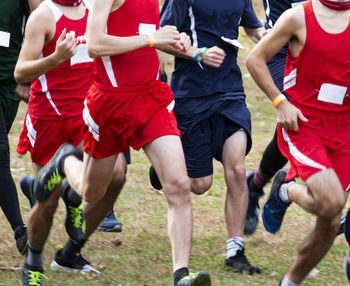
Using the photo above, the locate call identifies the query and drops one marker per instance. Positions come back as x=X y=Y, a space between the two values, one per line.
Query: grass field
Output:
x=140 y=255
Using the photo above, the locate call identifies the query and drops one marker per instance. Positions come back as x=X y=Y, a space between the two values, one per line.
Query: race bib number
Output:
x=81 y=56
x=332 y=93
x=5 y=39
x=146 y=29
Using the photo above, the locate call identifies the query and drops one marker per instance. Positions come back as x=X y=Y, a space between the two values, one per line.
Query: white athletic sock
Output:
x=283 y=192
x=287 y=282
x=233 y=245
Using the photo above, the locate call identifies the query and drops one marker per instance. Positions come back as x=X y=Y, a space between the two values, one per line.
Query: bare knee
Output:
x=48 y=208
x=177 y=191
x=92 y=193
x=236 y=173
x=201 y=185
x=330 y=207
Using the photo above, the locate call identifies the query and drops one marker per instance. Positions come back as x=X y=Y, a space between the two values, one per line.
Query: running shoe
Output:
x=74 y=222
x=252 y=218
x=274 y=209
x=32 y=275
x=153 y=177
x=239 y=263
x=52 y=173
x=21 y=239
x=110 y=223
x=27 y=186
x=73 y=262
x=201 y=278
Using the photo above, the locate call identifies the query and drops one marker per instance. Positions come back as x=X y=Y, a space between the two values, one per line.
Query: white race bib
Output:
x=146 y=29
x=332 y=93
x=81 y=56
x=233 y=42
x=5 y=39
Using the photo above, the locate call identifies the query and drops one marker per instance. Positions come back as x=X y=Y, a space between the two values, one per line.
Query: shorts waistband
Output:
x=316 y=112
x=127 y=89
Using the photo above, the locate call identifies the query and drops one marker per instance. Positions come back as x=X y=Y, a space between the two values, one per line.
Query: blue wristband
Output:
x=197 y=55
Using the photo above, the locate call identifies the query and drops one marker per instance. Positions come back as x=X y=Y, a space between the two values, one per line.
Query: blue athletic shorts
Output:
x=204 y=134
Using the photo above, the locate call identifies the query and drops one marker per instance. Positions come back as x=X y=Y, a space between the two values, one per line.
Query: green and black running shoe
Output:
x=74 y=222
x=201 y=278
x=52 y=173
x=32 y=276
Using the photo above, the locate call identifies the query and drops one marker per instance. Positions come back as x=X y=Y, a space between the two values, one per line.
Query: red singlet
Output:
x=60 y=92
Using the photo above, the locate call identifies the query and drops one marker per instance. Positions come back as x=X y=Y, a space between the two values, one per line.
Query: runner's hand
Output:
x=185 y=42
x=168 y=35
x=66 y=46
x=214 y=57
x=288 y=116
x=22 y=92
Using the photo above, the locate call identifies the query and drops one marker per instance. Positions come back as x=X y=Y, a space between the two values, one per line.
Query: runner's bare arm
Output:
x=40 y=29
x=289 y=26
x=213 y=56
x=99 y=44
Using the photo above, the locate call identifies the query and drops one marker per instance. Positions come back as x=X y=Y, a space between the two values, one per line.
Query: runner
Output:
x=313 y=131
x=128 y=105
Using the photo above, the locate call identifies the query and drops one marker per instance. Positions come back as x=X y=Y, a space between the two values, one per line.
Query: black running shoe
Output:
x=21 y=239
x=74 y=262
x=32 y=275
x=252 y=218
x=52 y=173
x=153 y=177
x=74 y=222
x=201 y=278
x=27 y=187
x=240 y=263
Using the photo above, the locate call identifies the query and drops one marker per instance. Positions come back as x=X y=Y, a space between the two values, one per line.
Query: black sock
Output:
x=72 y=246
x=8 y=192
x=271 y=162
x=34 y=257
x=179 y=274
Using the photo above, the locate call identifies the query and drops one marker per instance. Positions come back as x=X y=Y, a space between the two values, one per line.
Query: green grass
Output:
x=140 y=255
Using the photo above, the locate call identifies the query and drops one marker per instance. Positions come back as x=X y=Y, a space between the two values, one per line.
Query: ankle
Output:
x=283 y=192
x=179 y=274
x=233 y=245
x=34 y=257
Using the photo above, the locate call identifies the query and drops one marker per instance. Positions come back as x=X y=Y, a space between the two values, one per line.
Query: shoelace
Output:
x=189 y=276
x=35 y=277
x=55 y=179
x=76 y=215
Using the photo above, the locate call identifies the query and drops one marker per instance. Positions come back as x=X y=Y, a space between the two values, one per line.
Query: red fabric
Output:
x=68 y=2
x=336 y=4
x=121 y=117
x=325 y=58
x=325 y=140
x=64 y=86
x=136 y=67
x=50 y=135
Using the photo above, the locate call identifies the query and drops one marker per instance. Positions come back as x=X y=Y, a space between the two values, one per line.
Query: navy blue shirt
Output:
x=274 y=9
x=206 y=21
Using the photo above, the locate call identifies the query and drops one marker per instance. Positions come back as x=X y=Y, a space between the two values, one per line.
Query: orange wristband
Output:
x=278 y=99
x=151 y=40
